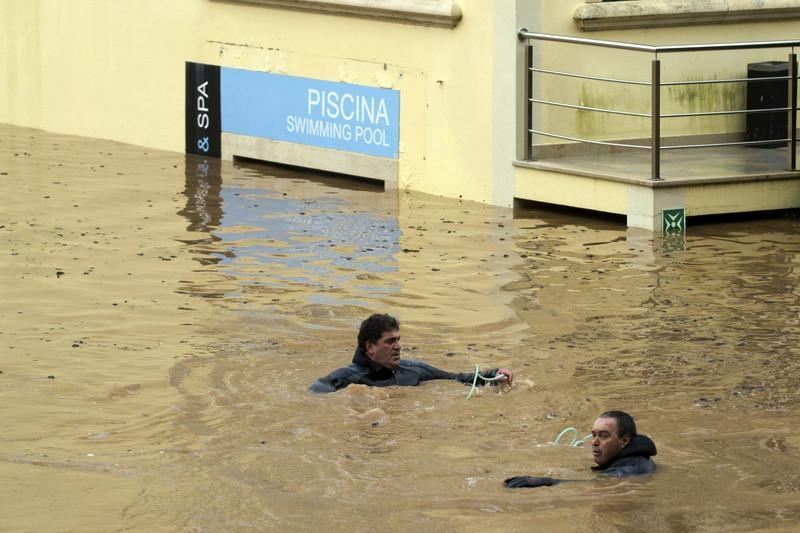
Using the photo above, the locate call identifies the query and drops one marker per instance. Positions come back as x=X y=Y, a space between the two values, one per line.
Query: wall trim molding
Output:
x=441 y=13
x=594 y=16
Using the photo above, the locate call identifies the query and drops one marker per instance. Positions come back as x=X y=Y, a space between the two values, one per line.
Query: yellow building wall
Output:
x=115 y=70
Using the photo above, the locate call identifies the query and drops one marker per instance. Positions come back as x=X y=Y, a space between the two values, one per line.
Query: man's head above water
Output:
x=379 y=339
x=611 y=432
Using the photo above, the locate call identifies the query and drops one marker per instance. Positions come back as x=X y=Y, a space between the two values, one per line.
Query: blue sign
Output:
x=340 y=116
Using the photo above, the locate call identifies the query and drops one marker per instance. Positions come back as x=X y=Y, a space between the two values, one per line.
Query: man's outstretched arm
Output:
x=322 y=386
x=428 y=372
x=519 y=482
x=338 y=379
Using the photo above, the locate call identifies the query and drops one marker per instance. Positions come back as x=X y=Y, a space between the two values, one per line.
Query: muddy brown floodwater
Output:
x=162 y=315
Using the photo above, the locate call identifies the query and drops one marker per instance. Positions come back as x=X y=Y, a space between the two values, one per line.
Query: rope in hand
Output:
x=498 y=377
x=575 y=441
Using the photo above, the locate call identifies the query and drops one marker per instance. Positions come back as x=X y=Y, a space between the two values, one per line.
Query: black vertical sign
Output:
x=203 y=124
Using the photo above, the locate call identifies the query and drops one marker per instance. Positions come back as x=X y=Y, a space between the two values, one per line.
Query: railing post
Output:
x=655 y=121
x=792 y=122
x=524 y=95
x=528 y=103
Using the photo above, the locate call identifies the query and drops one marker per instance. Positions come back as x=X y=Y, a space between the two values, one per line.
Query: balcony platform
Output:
x=703 y=181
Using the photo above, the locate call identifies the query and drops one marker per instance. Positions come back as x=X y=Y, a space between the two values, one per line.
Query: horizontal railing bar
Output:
x=603 y=143
x=647 y=83
x=663 y=49
x=732 y=112
x=596 y=78
x=732 y=80
x=525 y=34
x=587 y=108
x=712 y=47
x=664 y=115
x=717 y=145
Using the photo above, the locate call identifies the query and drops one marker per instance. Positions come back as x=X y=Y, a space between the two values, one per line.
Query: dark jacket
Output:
x=410 y=373
x=632 y=460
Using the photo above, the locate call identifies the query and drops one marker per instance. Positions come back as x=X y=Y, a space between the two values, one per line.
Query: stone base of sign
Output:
x=300 y=155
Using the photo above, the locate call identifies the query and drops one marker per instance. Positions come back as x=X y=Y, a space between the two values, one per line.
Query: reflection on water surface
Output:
x=163 y=315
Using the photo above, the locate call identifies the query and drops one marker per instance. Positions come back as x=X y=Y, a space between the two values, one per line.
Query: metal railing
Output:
x=655 y=115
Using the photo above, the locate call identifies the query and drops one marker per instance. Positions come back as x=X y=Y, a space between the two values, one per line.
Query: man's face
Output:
x=386 y=350
x=606 y=444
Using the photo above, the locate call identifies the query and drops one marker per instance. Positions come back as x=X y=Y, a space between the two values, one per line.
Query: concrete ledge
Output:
x=660 y=13
x=300 y=155
x=643 y=201
x=444 y=13
x=571 y=190
x=554 y=166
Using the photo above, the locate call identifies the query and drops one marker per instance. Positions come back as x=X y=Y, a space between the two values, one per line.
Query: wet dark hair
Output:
x=375 y=326
x=625 y=423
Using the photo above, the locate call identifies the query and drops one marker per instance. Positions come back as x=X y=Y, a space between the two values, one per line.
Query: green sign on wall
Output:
x=674 y=221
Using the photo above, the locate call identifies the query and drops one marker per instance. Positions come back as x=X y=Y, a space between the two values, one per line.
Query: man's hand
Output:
x=507 y=373
x=519 y=482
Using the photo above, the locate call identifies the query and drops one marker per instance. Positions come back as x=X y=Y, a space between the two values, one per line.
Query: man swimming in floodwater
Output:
x=617 y=449
x=377 y=362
